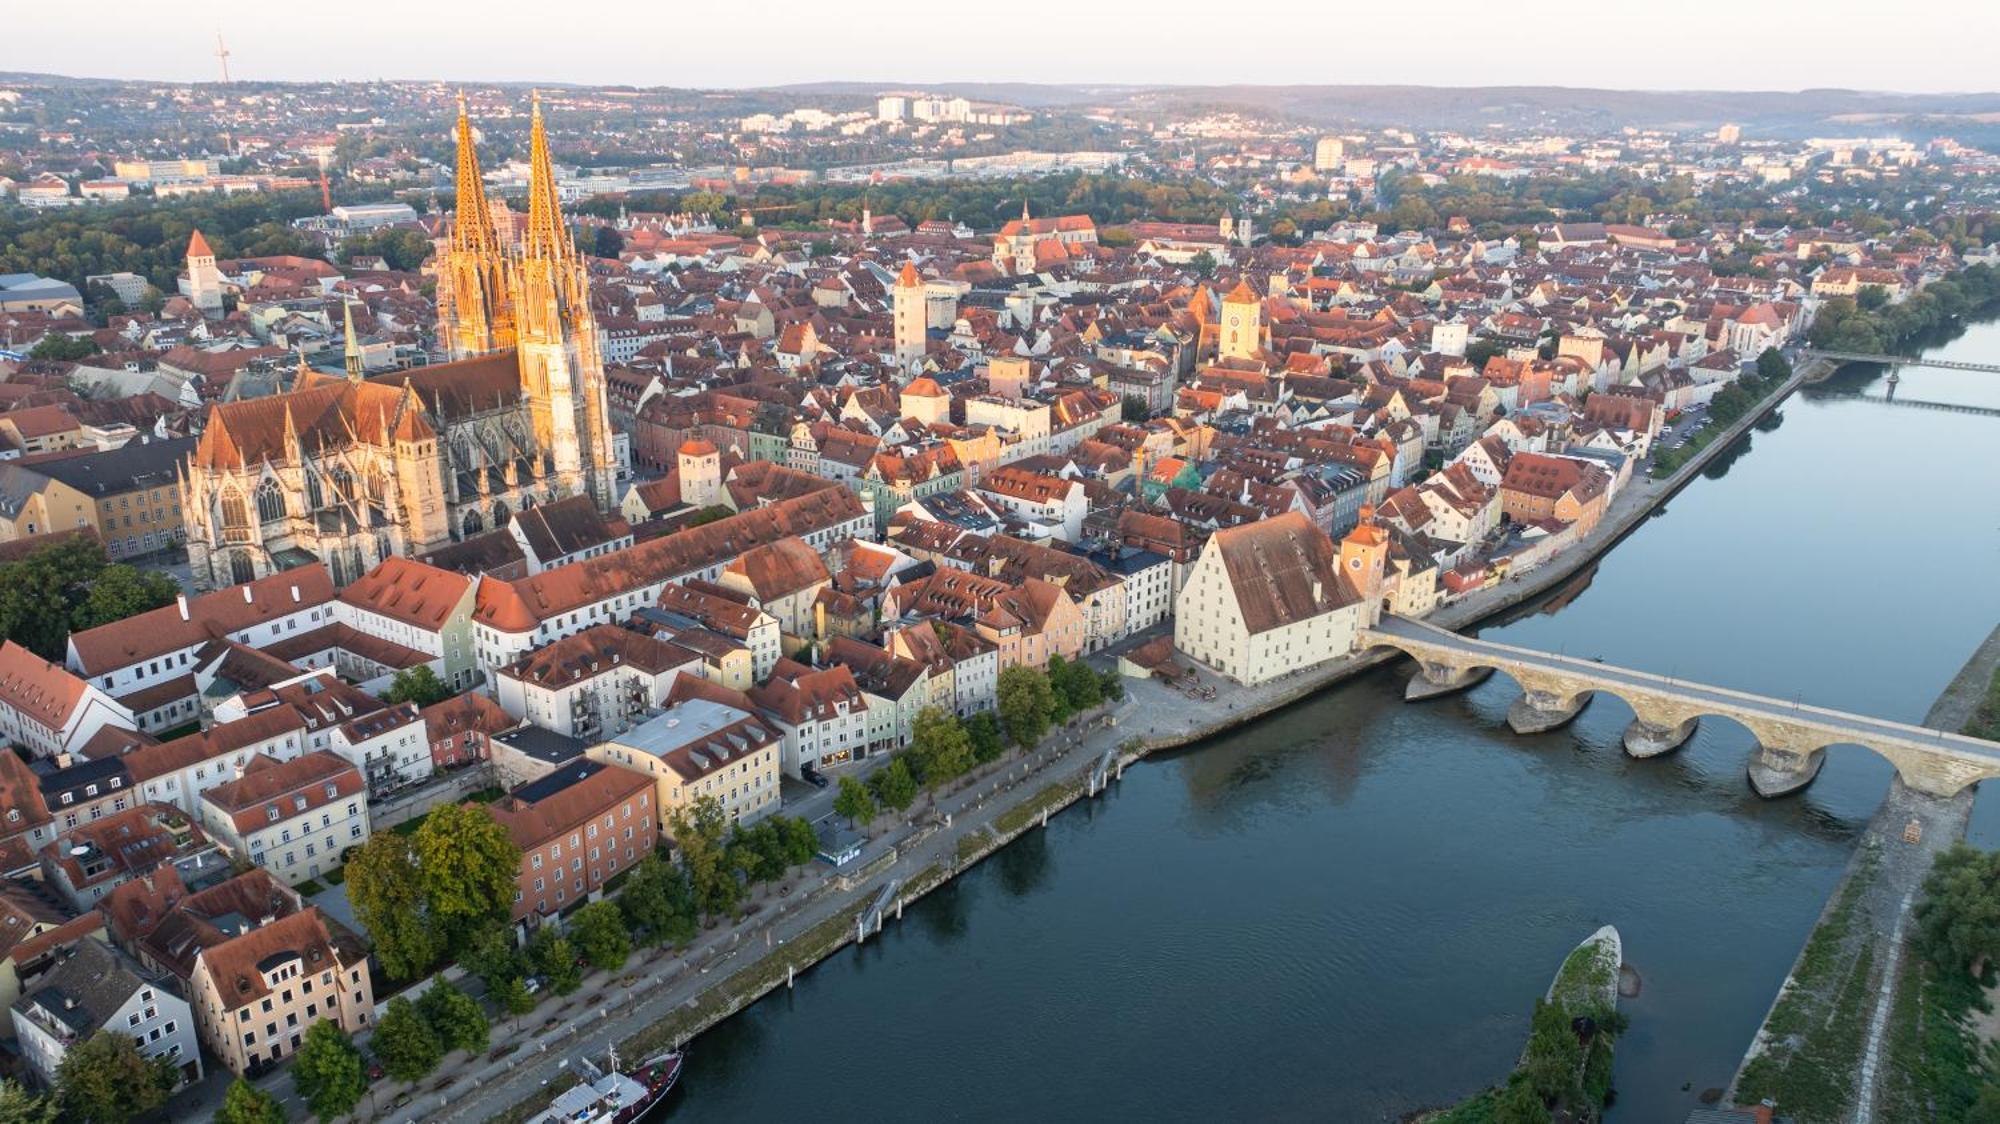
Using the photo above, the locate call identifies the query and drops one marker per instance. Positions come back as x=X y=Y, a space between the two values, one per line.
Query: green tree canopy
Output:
x=121 y=591
x=895 y=786
x=388 y=898
x=455 y=1018
x=468 y=867
x=404 y=1042
x=105 y=1080
x=1027 y=704
x=697 y=830
x=657 y=903
x=19 y=1106
x=940 y=750
x=987 y=742
x=327 y=1071
x=1958 y=920
x=56 y=345
x=418 y=685
x=244 y=1103
x=854 y=801
x=599 y=932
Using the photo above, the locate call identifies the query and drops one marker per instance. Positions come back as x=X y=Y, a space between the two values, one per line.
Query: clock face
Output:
x=1235 y=320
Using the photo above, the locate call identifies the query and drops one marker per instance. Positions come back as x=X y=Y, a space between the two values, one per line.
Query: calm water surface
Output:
x=1346 y=911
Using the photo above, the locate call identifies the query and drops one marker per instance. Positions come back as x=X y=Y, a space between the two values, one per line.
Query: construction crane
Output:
x=222 y=56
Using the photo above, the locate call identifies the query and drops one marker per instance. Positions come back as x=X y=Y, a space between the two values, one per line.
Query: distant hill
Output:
x=1470 y=107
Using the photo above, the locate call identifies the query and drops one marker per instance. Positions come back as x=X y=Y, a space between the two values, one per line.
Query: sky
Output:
x=1918 y=46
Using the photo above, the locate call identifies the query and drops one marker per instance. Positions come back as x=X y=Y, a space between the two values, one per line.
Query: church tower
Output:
x=1242 y=334
x=475 y=313
x=561 y=358
x=911 y=319
x=204 y=283
x=352 y=351
x=1364 y=562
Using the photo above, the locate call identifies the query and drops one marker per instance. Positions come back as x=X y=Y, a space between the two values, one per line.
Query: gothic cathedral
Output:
x=350 y=470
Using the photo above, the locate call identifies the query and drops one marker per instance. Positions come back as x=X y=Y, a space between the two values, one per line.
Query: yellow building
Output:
x=703 y=748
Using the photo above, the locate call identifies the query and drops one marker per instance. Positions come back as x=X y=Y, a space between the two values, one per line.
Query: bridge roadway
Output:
x=1901 y=361
x=1791 y=737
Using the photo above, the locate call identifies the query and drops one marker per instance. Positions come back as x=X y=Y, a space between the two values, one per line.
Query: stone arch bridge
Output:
x=1791 y=738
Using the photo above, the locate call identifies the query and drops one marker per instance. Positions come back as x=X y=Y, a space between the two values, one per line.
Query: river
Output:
x=1344 y=912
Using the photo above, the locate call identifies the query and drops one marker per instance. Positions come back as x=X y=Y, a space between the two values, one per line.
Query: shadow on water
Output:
x=1025 y=864
x=945 y=912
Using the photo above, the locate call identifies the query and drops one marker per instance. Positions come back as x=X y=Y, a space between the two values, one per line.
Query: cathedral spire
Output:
x=547 y=237
x=472 y=222
x=353 y=351
x=305 y=370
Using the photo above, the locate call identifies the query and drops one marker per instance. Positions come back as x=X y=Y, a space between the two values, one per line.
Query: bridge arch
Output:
x=1790 y=740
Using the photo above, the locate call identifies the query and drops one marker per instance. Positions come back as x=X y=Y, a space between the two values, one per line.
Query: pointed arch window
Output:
x=233 y=512
x=270 y=502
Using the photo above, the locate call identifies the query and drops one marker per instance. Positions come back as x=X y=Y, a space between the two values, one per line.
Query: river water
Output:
x=1345 y=911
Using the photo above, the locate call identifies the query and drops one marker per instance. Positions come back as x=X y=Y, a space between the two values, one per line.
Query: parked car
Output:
x=813 y=776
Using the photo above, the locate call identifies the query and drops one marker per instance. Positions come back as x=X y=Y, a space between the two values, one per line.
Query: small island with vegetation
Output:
x=1565 y=1071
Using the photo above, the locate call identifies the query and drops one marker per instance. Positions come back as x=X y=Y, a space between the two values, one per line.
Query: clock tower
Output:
x=1242 y=335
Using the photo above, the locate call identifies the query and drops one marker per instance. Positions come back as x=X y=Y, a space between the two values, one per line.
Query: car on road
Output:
x=813 y=776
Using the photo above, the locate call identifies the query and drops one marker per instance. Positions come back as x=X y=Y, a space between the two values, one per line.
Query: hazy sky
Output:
x=1912 y=45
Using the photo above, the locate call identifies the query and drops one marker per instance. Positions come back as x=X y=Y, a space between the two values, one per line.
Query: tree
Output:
x=515 y=998
x=940 y=749
x=1985 y=1110
x=987 y=742
x=1958 y=920
x=388 y=898
x=121 y=591
x=1133 y=408
x=606 y=242
x=58 y=346
x=1202 y=263
x=1027 y=704
x=418 y=685
x=490 y=955
x=855 y=802
x=657 y=903
x=404 y=1042
x=455 y=1018
x=1076 y=683
x=697 y=829
x=1479 y=351
x=244 y=1103
x=41 y=594
x=327 y=1071
x=1773 y=367
x=895 y=786
x=797 y=840
x=554 y=957
x=18 y=1106
x=105 y=1080
x=600 y=935
x=469 y=869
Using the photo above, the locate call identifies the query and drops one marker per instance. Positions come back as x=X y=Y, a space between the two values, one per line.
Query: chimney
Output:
x=295 y=595
x=247 y=599
x=181 y=599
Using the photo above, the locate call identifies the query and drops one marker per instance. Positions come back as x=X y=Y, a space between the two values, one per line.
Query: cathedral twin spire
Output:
x=484 y=283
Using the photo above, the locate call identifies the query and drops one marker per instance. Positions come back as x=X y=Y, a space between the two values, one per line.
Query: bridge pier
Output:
x=1646 y=739
x=1538 y=712
x=1434 y=681
x=1781 y=772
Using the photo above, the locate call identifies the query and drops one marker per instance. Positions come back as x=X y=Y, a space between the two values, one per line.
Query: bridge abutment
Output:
x=1433 y=681
x=1538 y=712
x=1651 y=739
x=1781 y=772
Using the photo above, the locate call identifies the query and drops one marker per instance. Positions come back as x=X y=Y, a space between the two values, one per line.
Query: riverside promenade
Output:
x=673 y=997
